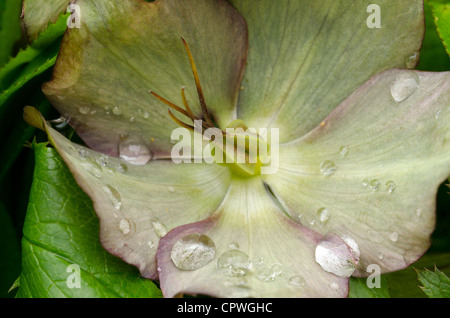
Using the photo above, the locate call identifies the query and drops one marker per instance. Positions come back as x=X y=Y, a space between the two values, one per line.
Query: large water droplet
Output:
x=327 y=167
x=193 y=251
x=404 y=85
x=234 y=263
x=133 y=151
x=334 y=255
x=114 y=196
x=323 y=215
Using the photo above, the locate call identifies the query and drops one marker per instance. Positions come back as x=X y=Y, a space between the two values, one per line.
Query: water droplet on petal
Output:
x=234 y=263
x=323 y=215
x=374 y=184
x=171 y=189
x=233 y=246
x=393 y=236
x=84 y=110
x=411 y=61
x=124 y=226
x=150 y=244
x=116 y=111
x=343 y=151
x=334 y=255
x=327 y=167
x=159 y=228
x=438 y=113
x=93 y=168
x=297 y=280
x=193 y=251
x=419 y=212
x=122 y=168
x=365 y=183
x=114 y=196
x=267 y=273
x=390 y=186
x=404 y=85
x=334 y=286
x=133 y=151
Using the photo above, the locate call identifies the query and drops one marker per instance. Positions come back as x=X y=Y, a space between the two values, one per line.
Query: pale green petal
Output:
x=137 y=205
x=248 y=248
x=37 y=14
x=306 y=56
x=374 y=165
x=123 y=49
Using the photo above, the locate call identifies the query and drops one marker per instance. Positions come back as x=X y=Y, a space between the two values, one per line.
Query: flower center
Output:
x=244 y=150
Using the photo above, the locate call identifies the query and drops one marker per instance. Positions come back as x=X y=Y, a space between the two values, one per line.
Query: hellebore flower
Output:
x=364 y=142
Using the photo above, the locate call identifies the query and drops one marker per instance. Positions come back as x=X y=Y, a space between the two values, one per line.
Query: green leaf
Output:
x=435 y=284
x=358 y=288
x=38 y=13
x=61 y=236
x=9 y=28
x=433 y=56
x=441 y=13
x=35 y=54
x=404 y=284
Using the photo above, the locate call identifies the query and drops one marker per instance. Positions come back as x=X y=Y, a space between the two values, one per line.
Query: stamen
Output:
x=179 y=122
x=199 y=87
x=170 y=104
x=186 y=105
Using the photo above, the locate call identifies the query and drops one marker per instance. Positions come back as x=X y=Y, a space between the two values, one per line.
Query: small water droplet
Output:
x=327 y=167
x=151 y=244
x=419 y=212
x=124 y=226
x=82 y=152
x=343 y=151
x=390 y=186
x=404 y=85
x=323 y=215
x=411 y=61
x=171 y=189
x=123 y=168
x=297 y=280
x=234 y=263
x=116 y=111
x=393 y=236
x=268 y=273
x=365 y=182
x=374 y=184
x=233 y=246
x=159 y=228
x=84 y=110
x=133 y=151
x=334 y=286
x=93 y=168
x=193 y=251
x=437 y=114
x=114 y=196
